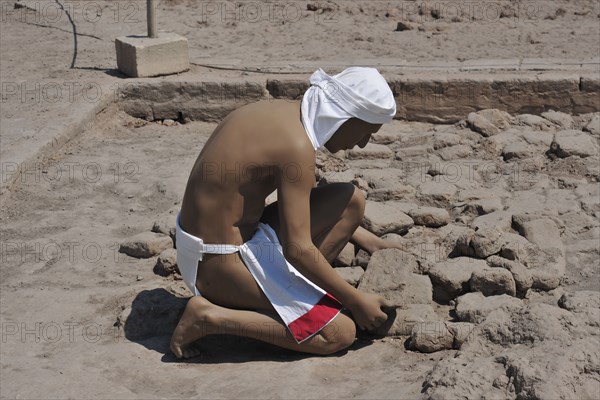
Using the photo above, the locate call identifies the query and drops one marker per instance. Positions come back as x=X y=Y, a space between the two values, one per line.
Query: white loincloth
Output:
x=304 y=307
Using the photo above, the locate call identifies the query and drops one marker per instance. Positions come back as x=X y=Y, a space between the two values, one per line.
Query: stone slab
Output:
x=141 y=57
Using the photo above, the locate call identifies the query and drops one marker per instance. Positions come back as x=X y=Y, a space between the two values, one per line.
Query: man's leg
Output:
x=336 y=211
x=366 y=240
x=229 y=291
x=372 y=243
x=202 y=318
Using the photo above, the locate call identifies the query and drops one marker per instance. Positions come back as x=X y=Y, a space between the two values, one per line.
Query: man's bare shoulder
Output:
x=298 y=146
x=278 y=124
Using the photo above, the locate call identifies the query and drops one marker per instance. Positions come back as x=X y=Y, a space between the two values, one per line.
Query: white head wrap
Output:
x=356 y=92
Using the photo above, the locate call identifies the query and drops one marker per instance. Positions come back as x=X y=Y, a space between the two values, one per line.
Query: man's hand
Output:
x=366 y=310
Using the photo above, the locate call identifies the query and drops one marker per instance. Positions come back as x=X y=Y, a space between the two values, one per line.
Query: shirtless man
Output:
x=257 y=149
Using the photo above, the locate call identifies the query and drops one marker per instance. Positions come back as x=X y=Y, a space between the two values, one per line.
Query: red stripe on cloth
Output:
x=314 y=320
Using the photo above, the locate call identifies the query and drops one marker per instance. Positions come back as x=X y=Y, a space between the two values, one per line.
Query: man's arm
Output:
x=295 y=183
x=296 y=179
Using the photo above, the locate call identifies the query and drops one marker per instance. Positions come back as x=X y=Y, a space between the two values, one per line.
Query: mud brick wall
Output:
x=426 y=98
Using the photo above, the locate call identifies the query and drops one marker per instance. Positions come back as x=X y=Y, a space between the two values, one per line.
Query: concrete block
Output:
x=141 y=56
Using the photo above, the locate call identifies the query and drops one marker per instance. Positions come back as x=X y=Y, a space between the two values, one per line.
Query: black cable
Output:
x=74 y=33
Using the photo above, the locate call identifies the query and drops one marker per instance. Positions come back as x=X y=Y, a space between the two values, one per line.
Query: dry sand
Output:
x=65 y=287
x=88 y=287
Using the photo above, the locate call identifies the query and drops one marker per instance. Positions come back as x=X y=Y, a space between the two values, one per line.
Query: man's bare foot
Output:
x=390 y=241
x=197 y=321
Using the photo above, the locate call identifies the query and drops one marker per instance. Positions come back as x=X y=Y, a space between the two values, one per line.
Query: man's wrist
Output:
x=350 y=298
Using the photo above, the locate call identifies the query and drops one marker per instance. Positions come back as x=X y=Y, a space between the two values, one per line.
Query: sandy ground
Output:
x=64 y=285
x=75 y=296
x=271 y=31
x=38 y=46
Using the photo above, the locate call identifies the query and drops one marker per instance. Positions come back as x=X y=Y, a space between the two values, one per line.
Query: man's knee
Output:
x=357 y=203
x=338 y=335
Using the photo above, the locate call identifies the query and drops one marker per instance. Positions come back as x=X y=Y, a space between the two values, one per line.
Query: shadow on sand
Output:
x=154 y=314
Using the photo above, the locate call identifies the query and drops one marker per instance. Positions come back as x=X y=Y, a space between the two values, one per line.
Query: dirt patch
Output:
x=63 y=271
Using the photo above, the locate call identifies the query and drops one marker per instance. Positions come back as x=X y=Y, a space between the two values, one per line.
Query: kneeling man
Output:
x=264 y=272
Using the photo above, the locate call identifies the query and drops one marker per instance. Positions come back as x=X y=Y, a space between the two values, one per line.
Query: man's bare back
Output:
x=240 y=166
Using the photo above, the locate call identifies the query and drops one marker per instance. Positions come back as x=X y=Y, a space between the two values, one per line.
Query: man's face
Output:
x=353 y=132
